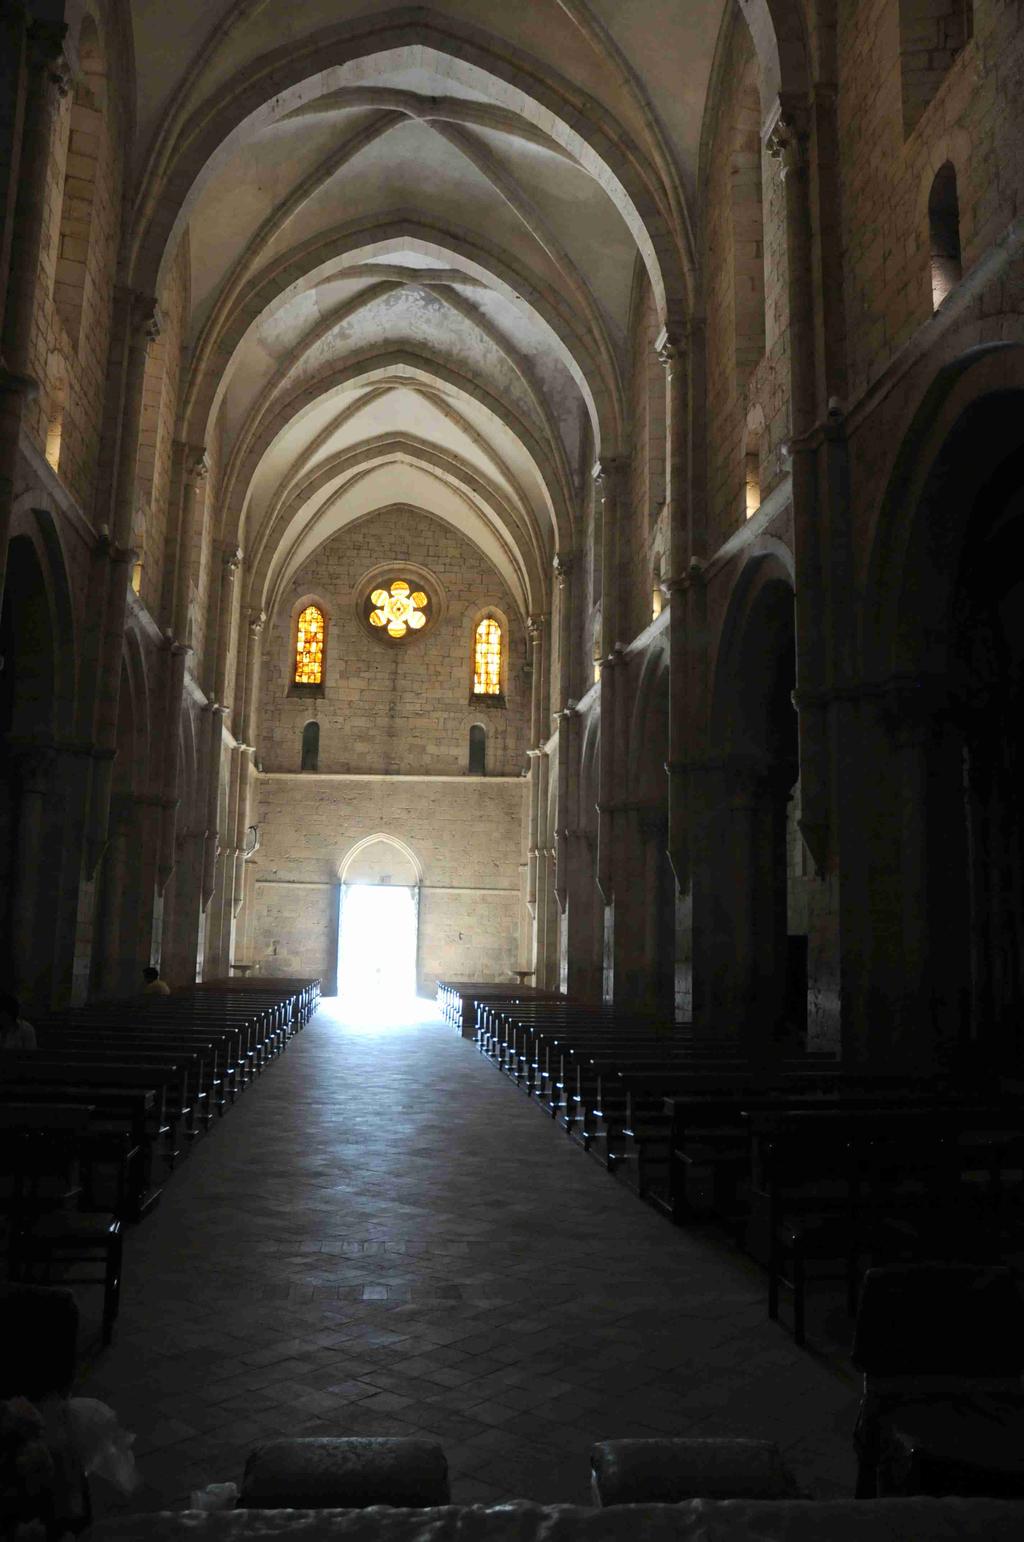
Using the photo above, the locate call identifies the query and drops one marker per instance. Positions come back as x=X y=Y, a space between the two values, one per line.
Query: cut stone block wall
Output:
x=464 y=836
x=156 y=438
x=747 y=365
x=86 y=169
x=887 y=172
x=647 y=469
x=403 y=707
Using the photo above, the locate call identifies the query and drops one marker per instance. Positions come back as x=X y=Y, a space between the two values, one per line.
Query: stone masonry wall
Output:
x=87 y=159
x=741 y=388
x=398 y=707
x=156 y=440
x=647 y=468
x=972 y=119
x=464 y=834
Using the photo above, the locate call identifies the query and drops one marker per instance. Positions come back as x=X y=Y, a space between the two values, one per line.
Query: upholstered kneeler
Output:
x=316 y=1474
x=629 y=1472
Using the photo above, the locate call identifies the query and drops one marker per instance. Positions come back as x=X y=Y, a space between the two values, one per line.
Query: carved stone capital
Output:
x=670 y=347
x=606 y=474
x=562 y=563
x=45 y=53
x=257 y=619
x=107 y=547
x=231 y=557
x=197 y=467
x=144 y=319
x=535 y=629
x=787 y=135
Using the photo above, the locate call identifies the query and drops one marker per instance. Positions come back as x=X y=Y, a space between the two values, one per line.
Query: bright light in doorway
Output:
x=377 y=954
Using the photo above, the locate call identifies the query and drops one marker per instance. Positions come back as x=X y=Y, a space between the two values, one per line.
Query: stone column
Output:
x=247 y=682
x=139 y=326
x=787 y=142
x=195 y=471
x=146 y=812
x=112 y=913
x=672 y=354
x=541 y=845
x=213 y=762
x=742 y=919
x=175 y=659
x=13 y=49
x=905 y=882
x=186 y=930
x=625 y=917
x=231 y=557
x=563 y=564
x=241 y=765
x=607 y=476
x=34 y=763
x=657 y=981
x=73 y=897
x=45 y=80
x=535 y=632
x=219 y=852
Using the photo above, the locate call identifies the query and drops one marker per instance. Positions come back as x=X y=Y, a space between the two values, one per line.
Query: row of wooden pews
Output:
x=813 y=1166
x=95 y=1119
x=458 y=1000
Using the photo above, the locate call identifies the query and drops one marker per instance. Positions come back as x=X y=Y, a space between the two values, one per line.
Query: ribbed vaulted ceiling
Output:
x=413 y=235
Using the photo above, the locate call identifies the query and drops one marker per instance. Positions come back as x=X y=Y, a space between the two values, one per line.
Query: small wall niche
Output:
x=310 y=747
x=944 y=234
x=478 y=750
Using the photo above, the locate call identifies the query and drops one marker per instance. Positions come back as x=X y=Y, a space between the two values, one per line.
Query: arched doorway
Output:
x=378 y=926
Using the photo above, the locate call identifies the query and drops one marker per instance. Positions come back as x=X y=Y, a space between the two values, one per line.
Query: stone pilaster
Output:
x=34 y=762
x=37 y=72
x=195 y=470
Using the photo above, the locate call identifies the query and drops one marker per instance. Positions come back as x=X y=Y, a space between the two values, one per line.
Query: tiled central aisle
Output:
x=384 y=1237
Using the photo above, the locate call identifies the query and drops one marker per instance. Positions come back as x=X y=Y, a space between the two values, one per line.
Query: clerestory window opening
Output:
x=487 y=658
x=310 y=636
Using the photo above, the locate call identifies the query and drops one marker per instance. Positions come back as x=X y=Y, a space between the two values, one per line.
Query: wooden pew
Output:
x=122 y=1113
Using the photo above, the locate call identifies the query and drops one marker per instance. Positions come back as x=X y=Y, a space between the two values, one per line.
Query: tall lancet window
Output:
x=487 y=658
x=309 y=647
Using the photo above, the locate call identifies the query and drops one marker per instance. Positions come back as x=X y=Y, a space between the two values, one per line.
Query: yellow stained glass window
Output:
x=487 y=659
x=400 y=609
x=309 y=647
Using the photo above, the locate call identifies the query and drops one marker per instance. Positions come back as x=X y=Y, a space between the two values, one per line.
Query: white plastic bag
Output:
x=215 y=1496
x=100 y=1443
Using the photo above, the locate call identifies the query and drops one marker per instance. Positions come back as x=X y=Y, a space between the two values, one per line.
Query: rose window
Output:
x=400 y=609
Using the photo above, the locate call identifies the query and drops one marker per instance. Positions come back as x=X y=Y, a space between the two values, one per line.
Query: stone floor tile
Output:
x=383 y=1237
